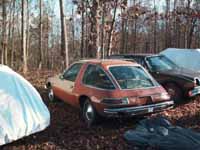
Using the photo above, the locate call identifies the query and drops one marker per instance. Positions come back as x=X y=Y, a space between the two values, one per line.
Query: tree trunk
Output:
x=64 y=42
x=93 y=44
x=82 y=28
x=102 y=31
x=13 y=38
x=40 y=40
x=27 y=30
x=4 y=33
x=111 y=29
x=73 y=31
x=191 y=33
x=155 y=29
x=23 y=30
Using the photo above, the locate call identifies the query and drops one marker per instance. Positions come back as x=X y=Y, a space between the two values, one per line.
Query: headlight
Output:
x=115 y=101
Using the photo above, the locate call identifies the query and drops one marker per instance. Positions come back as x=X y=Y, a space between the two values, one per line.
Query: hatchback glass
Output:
x=132 y=77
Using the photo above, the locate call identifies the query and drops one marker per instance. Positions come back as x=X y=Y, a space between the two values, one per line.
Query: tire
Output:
x=174 y=91
x=88 y=113
x=50 y=94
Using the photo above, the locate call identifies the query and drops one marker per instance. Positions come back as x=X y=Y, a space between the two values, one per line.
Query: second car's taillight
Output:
x=115 y=101
x=196 y=82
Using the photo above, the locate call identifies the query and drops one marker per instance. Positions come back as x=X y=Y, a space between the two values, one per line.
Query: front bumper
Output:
x=194 y=92
x=138 y=110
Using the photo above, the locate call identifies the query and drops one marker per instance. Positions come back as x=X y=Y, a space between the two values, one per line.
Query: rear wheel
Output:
x=88 y=113
x=174 y=91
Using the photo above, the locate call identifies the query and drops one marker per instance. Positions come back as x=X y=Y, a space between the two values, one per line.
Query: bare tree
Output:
x=23 y=30
x=4 y=33
x=111 y=28
x=94 y=17
x=64 y=40
x=13 y=38
x=82 y=27
x=41 y=33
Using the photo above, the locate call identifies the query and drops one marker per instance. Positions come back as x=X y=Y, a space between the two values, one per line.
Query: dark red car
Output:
x=109 y=88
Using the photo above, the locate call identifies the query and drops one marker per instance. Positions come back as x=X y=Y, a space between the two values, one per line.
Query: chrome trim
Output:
x=90 y=86
x=93 y=87
x=108 y=67
x=138 y=108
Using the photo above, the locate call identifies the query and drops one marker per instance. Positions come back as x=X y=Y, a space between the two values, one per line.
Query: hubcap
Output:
x=89 y=112
x=51 y=95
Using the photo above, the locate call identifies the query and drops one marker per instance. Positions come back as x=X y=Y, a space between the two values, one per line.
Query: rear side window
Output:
x=96 y=77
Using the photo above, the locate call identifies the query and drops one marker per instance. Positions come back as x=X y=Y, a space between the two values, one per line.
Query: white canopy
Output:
x=22 y=111
x=187 y=58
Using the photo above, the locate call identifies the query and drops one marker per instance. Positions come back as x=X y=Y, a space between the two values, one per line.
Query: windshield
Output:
x=131 y=77
x=160 y=63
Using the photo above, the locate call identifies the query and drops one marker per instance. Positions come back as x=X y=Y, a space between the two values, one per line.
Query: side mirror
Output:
x=61 y=77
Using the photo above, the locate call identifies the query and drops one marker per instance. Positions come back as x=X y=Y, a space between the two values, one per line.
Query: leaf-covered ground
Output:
x=67 y=132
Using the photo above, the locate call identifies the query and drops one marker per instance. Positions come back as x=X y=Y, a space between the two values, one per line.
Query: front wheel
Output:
x=88 y=113
x=51 y=95
x=174 y=91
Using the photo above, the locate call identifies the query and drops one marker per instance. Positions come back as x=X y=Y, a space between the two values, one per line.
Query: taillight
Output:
x=163 y=96
x=115 y=101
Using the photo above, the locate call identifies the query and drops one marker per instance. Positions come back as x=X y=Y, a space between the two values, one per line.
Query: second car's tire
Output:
x=174 y=91
x=88 y=113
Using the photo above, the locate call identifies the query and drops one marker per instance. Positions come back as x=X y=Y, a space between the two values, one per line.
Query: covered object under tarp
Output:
x=22 y=111
x=158 y=134
x=187 y=58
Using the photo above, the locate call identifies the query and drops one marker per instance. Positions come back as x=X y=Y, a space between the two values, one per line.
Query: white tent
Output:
x=187 y=58
x=22 y=111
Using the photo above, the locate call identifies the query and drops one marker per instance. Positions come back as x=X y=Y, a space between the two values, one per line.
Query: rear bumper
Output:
x=138 y=110
x=194 y=92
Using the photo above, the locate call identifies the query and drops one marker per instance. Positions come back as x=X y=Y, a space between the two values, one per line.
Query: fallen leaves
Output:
x=67 y=132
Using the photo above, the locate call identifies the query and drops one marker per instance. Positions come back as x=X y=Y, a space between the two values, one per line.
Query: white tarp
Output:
x=22 y=111
x=187 y=58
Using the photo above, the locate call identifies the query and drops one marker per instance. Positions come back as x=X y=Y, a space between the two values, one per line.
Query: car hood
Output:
x=182 y=72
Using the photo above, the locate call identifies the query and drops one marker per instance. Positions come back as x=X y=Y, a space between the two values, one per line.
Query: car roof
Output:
x=136 y=54
x=108 y=62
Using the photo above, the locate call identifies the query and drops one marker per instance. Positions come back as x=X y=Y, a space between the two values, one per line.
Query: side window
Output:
x=96 y=77
x=72 y=72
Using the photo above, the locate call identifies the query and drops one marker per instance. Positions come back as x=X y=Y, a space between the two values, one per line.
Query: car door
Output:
x=67 y=83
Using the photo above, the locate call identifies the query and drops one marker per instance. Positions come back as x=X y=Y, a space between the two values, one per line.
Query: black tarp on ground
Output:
x=159 y=134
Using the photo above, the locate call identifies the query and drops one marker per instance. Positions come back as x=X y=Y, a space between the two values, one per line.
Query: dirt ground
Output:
x=67 y=132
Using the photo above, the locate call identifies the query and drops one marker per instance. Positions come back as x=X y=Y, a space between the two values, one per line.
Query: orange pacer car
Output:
x=109 y=88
